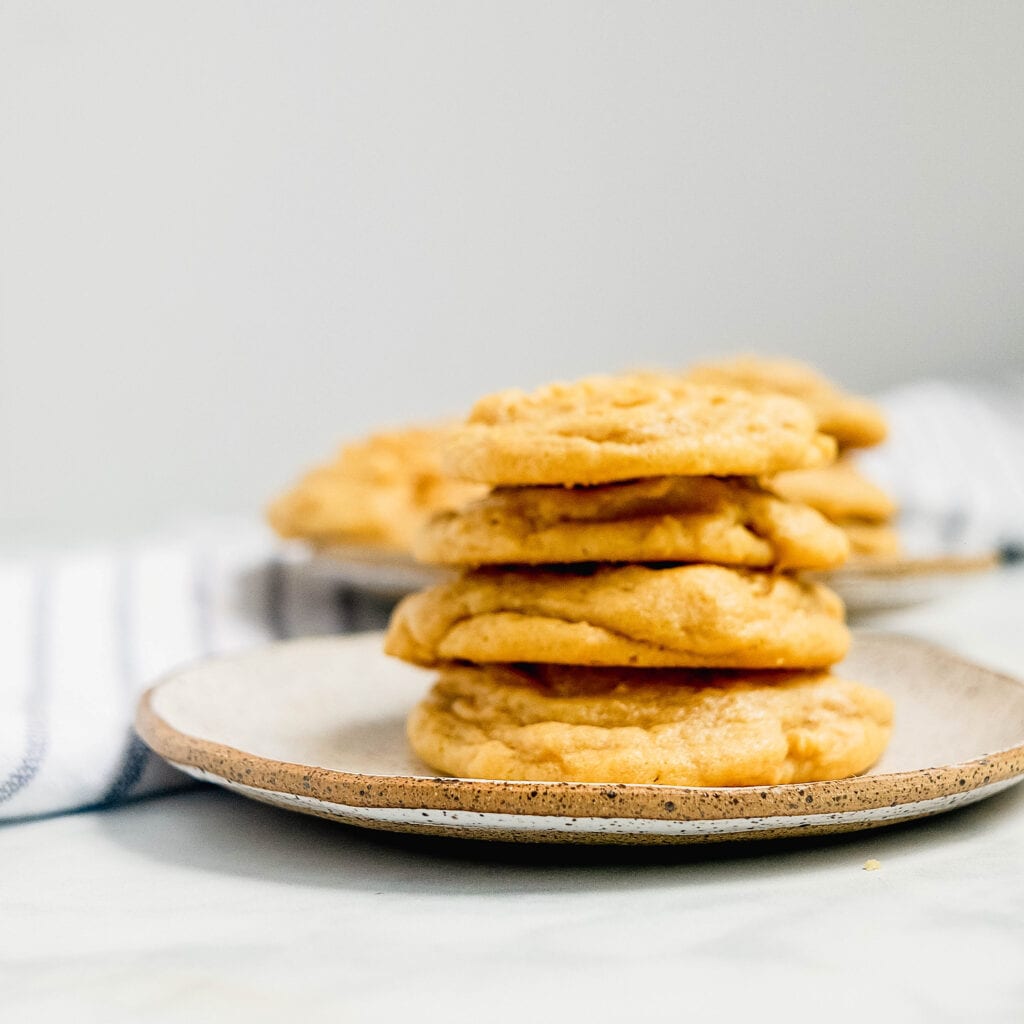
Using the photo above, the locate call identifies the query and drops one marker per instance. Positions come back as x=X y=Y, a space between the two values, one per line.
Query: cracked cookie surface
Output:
x=672 y=727
x=686 y=616
x=606 y=429
x=663 y=519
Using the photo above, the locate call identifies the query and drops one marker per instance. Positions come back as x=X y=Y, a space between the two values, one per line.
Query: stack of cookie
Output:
x=622 y=613
x=839 y=491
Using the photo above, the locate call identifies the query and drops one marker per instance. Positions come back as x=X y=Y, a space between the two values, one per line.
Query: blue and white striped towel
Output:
x=84 y=634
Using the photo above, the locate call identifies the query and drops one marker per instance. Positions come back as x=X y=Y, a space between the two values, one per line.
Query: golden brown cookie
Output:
x=870 y=540
x=838 y=492
x=854 y=422
x=673 y=727
x=662 y=519
x=685 y=616
x=377 y=491
x=605 y=429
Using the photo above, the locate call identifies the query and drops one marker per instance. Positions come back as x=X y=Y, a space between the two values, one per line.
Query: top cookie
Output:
x=377 y=491
x=605 y=429
x=854 y=422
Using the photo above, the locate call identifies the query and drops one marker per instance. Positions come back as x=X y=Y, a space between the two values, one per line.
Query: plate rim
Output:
x=577 y=799
x=933 y=565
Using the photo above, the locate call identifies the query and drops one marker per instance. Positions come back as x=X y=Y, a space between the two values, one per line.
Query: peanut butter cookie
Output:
x=686 y=616
x=606 y=429
x=377 y=491
x=673 y=727
x=730 y=521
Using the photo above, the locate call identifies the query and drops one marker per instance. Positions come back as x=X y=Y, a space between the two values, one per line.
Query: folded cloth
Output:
x=85 y=633
x=955 y=463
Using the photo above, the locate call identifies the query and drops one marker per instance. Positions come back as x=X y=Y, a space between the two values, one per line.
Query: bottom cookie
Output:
x=551 y=723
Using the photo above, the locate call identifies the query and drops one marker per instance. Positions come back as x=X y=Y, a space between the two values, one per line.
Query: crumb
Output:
x=872 y=865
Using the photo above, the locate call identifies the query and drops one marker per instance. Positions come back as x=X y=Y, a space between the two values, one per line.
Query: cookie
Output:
x=854 y=422
x=687 y=616
x=870 y=540
x=377 y=491
x=672 y=727
x=606 y=429
x=663 y=519
x=838 y=492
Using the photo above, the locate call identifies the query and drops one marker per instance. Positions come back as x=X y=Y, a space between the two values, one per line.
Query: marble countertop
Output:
x=204 y=906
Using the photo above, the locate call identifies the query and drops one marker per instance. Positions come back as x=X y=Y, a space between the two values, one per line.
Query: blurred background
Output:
x=232 y=234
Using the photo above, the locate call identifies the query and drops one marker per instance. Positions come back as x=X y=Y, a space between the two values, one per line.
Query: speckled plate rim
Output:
x=887 y=568
x=590 y=812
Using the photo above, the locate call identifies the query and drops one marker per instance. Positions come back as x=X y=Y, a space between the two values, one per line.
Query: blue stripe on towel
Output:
x=36 y=738
x=136 y=754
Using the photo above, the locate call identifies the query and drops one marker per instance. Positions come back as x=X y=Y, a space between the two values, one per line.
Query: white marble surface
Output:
x=206 y=907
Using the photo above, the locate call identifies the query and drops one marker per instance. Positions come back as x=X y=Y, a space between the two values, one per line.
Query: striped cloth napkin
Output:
x=85 y=633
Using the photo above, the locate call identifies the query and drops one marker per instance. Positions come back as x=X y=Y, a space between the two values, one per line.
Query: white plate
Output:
x=864 y=586
x=317 y=726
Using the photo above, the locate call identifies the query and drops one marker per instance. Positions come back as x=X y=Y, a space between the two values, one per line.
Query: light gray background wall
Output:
x=233 y=232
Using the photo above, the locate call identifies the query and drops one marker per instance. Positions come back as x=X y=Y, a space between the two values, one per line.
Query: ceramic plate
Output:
x=317 y=726
x=900 y=583
x=867 y=587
